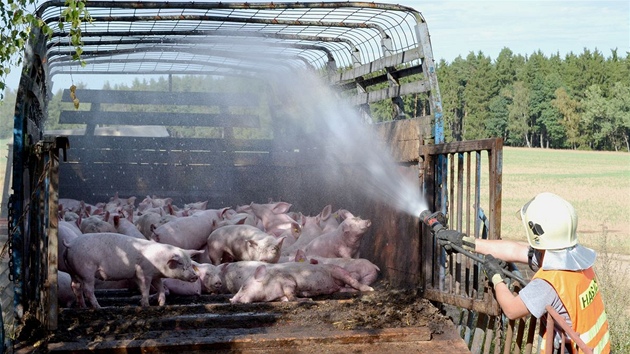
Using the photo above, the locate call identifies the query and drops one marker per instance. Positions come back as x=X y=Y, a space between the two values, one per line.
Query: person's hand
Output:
x=446 y=238
x=493 y=268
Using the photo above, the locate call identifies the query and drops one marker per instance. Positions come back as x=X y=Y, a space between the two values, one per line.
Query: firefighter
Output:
x=564 y=277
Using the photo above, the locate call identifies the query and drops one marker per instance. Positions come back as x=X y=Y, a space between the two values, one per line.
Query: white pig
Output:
x=126 y=227
x=209 y=281
x=288 y=281
x=189 y=232
x=111 y=256
x=242 y=243
x=65 y=295
x=233 y=275
x=361 y=269
x=343 y=242
x=96 y=224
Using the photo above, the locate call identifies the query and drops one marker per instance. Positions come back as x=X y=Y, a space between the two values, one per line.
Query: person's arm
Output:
x=509 y=251
x=512 y=305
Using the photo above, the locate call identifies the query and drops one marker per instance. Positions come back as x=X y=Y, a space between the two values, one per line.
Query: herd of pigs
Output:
x=256 y=252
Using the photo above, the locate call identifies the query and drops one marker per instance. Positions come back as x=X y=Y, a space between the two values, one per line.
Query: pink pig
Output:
x=242 y=243
x=111 y=256
x=273 y=216
x=233 y=275
x=189 y=232
x=361 y=269
x=126 y=227
x=286 y=281
x=209 y=282
x=343 y=242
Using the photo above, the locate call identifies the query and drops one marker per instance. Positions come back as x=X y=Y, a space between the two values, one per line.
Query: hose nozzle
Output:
x=435 y=220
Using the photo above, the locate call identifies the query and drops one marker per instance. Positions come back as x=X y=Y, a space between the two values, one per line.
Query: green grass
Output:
x=596 y=183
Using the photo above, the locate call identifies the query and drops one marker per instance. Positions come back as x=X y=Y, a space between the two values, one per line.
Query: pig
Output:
x=361 y=269
x=343 y=242
x=310 y=229
x=294 y=281
x=233 y=275
x=65 y=296
x=126 y=227
x=242 y=243
x=328 y=220
x=147 y=222
x=181 y=287
x=189 y=232
x=111 y=256
x=96 y=224
x=209 y=282
x=153 y=202
x=273 y=216
x=65 y=234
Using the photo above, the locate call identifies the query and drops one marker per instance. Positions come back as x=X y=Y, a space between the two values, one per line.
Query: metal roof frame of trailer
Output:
x=216 y=38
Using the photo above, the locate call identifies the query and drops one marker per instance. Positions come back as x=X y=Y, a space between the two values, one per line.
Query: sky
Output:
x=459 y=27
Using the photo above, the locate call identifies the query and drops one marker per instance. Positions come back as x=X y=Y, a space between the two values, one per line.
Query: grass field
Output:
x=596 y=183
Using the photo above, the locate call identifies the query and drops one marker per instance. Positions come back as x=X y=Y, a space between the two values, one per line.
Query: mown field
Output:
x=596 y=183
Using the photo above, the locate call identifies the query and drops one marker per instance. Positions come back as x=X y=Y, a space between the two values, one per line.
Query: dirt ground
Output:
x=383 y=308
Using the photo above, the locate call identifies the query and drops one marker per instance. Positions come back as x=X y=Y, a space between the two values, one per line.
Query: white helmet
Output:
x=550 y=222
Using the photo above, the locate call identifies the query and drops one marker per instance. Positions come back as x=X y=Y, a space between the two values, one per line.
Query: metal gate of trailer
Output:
x=466 y=178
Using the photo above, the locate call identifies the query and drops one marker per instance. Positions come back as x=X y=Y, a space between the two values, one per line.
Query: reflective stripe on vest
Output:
x=580 y=295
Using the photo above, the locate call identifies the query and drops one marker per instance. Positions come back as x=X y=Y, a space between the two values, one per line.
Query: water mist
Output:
x=347 y=138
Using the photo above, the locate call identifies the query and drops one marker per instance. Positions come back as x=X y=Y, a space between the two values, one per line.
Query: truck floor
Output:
x=383 y=321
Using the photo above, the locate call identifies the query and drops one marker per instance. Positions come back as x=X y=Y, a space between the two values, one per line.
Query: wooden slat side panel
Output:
x=241 y=99
x=160 y=118
x=168 y=143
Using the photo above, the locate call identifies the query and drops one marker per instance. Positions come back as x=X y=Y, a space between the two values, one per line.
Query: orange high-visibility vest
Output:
x=579 y=292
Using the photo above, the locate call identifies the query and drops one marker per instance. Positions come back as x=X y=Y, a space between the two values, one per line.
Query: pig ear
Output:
x=192 y=253
x=260 y=272
x=281 y=207
x=325 y=214
x=174 y=261
x=222 y=267
x=300 y=256
x=280 y=240
x=344 y=214
x=296 y=229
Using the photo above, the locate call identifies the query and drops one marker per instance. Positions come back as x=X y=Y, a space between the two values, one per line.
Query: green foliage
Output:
x=577 y=102
x=7 y=110
x=20 y=23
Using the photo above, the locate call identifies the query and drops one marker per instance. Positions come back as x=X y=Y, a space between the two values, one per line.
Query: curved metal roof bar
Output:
x=223 y=53
x=307 y=48
x=200 y=33
x=238 y=67
x=185 y=62
x=204 y=18
x=233 y=5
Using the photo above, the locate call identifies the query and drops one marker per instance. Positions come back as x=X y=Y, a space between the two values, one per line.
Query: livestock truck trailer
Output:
x=322 y=105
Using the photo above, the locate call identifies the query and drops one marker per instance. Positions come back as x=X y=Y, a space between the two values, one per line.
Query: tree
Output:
x=597 y=123
x=453 y=80
x=480 y=88
x=568 y=109
x=20 y=23
x=619 y=111
x=518 y=127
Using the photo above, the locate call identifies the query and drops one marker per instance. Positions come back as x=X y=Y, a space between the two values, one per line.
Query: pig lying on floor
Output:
x=112 y=256
x=287 y=281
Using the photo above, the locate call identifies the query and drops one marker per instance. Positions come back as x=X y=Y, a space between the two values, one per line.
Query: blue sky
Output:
x=458 y=27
